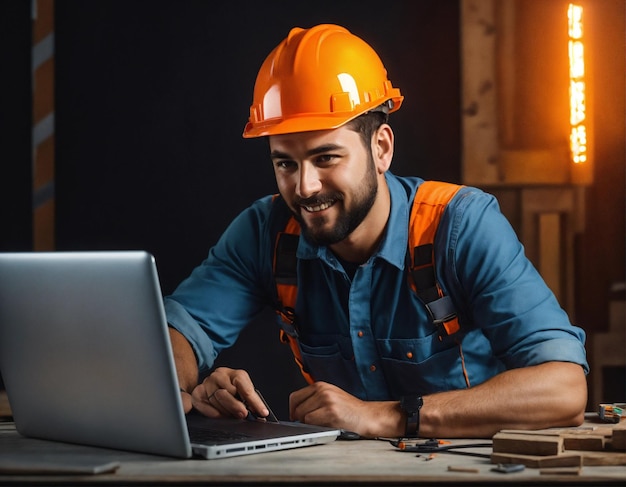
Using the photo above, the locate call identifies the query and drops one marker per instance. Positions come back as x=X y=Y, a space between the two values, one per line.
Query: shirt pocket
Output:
x=327 y=363
x=421 y=365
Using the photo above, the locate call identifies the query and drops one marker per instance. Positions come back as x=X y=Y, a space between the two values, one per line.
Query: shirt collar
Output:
x=393 y=246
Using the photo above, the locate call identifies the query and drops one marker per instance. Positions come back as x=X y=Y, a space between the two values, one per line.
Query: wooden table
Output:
x=372 y=462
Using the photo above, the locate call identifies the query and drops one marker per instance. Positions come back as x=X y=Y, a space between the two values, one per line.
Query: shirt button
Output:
x=372 y=368
x=409 y=355
x=360 y=334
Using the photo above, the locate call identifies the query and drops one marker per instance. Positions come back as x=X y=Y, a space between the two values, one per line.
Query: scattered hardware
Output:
x=433 y=445
x=612 y=413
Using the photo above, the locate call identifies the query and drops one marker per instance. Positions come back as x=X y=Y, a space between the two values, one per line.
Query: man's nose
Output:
x=309 y=182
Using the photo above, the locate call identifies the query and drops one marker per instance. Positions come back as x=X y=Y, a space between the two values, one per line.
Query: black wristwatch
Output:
x=411 y=405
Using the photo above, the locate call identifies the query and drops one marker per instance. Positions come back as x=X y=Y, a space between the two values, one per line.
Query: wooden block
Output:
x=619 y=438
x=462 y=468
x=583 y=442
x=539 y=461
x=528 y=444
x=597 y=459
x=561 y=471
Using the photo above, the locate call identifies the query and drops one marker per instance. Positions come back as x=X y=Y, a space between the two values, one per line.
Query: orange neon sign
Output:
x=577 y=95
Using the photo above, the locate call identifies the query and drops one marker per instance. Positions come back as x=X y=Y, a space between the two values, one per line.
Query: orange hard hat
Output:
x=318 y=79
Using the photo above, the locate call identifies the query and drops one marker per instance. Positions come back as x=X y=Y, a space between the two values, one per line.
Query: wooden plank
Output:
x=561 y=471
x=551 y=250
x=606 y=431
x=528 y=444
x=480 y=144
x=598 y=459
x=595 y=438
x=539 y=461
x=567 y=459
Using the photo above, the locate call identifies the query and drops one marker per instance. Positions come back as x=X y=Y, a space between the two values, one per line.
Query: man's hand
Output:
x=324 y=404
x=226 y=393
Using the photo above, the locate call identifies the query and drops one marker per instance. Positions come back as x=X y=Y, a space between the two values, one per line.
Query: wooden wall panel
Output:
x=43 y=125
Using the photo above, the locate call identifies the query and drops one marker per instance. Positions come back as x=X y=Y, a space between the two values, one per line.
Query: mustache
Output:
x=318 y=199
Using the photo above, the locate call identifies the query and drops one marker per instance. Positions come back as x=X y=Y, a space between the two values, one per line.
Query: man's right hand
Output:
x=225 y=393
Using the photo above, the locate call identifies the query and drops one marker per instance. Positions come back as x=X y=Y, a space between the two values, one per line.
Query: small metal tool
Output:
x=271 y=417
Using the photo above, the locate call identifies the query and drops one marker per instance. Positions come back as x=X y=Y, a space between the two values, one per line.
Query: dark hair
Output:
x=367 y=124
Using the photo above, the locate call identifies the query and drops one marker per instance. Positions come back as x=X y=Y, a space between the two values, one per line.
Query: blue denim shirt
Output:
x=371 y=335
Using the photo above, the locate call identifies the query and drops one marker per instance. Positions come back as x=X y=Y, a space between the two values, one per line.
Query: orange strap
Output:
x=429 y=203
x=287 y=290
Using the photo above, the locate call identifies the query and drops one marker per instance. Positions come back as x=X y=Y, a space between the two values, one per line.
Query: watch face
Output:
x=411 y=403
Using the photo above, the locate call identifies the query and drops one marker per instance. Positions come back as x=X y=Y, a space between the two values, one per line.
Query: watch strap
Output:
x=411 y=405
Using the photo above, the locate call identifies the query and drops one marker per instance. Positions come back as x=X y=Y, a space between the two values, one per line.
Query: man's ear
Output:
x=382 y=147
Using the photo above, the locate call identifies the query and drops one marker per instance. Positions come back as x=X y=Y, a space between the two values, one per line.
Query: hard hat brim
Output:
x=308 y=122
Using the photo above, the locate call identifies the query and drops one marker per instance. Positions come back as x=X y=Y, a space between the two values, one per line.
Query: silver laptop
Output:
x=86 y=358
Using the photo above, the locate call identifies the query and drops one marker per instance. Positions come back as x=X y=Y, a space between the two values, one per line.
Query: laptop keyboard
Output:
x=204 y=435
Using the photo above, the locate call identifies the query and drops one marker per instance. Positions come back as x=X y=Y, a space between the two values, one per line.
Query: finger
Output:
x=254 y=402
x=203 y=401
x=220 y=393
x=241 y=387
x=227 y=404
x=216 y=404
x=225 y=378
x=300 y=402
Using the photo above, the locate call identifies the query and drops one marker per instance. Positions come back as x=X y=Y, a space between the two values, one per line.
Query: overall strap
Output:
x=286 y=277
x=429 y=204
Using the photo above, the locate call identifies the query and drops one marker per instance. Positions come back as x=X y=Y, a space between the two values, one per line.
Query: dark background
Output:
x=152 y=98
x=151 y=101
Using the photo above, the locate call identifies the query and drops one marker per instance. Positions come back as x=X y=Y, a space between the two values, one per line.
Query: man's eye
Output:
x=324 y=158
x=285 y=164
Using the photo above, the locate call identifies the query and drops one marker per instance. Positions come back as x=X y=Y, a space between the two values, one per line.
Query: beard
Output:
x=347 y=220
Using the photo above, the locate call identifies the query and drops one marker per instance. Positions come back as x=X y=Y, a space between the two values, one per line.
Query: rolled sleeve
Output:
x=179 y=319
x=504 y=295
x=551 y=350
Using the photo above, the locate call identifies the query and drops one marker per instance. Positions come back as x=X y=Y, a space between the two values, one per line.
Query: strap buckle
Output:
x=444 y=315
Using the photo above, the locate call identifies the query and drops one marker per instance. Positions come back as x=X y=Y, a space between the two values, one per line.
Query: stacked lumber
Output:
x=562 y=447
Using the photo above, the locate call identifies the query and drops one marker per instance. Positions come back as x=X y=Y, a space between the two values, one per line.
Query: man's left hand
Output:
x=324 y=404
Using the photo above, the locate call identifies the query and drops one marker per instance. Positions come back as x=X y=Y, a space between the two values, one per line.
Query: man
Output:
x=379 y=364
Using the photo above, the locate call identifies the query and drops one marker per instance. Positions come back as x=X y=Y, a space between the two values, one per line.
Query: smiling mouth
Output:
x=318 y=207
